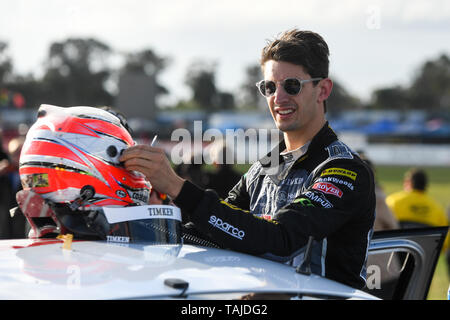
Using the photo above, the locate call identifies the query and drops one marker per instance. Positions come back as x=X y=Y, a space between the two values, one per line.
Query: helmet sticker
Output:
x=36 y=180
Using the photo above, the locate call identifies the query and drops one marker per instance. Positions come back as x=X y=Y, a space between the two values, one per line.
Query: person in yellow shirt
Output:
x=413 y=207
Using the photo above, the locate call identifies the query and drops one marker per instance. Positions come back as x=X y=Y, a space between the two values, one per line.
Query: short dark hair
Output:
x=304 y=48
x=419 y=179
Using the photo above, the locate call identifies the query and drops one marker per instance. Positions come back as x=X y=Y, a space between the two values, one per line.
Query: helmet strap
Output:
x=86 y=193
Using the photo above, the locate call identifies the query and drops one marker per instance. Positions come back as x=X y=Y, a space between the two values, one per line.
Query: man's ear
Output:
x=325 y=87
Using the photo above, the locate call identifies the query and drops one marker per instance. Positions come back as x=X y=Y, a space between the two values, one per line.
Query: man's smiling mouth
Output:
x=284 y=111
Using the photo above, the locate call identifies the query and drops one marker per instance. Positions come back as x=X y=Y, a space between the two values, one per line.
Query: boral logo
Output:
x=226 y=227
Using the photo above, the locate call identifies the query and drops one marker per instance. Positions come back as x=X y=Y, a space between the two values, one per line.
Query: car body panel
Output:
x=42 y=269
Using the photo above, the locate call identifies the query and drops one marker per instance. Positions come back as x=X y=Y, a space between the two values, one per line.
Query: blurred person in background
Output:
x=16 y=222
x=5 y=193
x=447 y=254
x=414 y=208
x=384 y=218
x=223 y=178
x=192 y=171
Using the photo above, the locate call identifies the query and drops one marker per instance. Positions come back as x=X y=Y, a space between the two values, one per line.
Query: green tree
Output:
x=148 y=62
x=201 y=79
x=395 y=97
x=225 y=101
x=76 y=73
x=430 y=90
x=340 y=99
x=5 y=63
x=250 y=94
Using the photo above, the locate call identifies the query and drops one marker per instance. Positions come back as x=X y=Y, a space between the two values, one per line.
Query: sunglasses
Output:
x=292 y=86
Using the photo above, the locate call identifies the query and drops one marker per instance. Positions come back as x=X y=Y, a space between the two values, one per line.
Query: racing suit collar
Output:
x=273 y=161
x=322 y=139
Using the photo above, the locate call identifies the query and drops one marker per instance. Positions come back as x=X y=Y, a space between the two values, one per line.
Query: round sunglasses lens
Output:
x=262 y=88
x=268 y=88
x=292 y=86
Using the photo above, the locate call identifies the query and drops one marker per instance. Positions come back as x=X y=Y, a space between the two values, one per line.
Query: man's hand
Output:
x=153 y=163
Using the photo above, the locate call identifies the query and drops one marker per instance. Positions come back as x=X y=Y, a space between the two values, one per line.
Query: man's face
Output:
x=291 y=113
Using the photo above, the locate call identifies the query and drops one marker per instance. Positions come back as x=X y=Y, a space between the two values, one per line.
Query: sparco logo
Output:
x=226 y=227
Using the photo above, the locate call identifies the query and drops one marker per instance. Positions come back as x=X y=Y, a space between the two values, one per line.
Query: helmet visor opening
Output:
x=150 y=224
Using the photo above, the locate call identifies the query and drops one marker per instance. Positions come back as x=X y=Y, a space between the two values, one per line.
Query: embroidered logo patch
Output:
x=226 y=227
x=340 y=172
x=328 y=188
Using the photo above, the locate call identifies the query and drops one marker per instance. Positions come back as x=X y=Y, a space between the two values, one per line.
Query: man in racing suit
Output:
x=311 y=185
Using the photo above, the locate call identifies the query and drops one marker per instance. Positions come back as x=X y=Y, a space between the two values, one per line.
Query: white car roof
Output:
x=42 y=269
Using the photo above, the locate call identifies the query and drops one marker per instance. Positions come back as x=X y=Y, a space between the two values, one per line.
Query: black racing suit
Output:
x=328 y=193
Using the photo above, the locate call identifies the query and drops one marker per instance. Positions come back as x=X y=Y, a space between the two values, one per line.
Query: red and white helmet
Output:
x=70 y=156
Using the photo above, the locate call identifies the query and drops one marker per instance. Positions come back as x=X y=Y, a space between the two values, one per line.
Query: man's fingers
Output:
x=131 y=162
x=140 y=151
x=148 y=169
x=153 y=163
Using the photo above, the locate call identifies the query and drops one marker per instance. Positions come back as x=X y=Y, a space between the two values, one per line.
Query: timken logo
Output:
x=117 y=239
x=160 y=212
x=328 y=188
x=226 y=227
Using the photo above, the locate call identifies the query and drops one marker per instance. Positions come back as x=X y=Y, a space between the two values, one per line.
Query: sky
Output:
x=373 y=44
